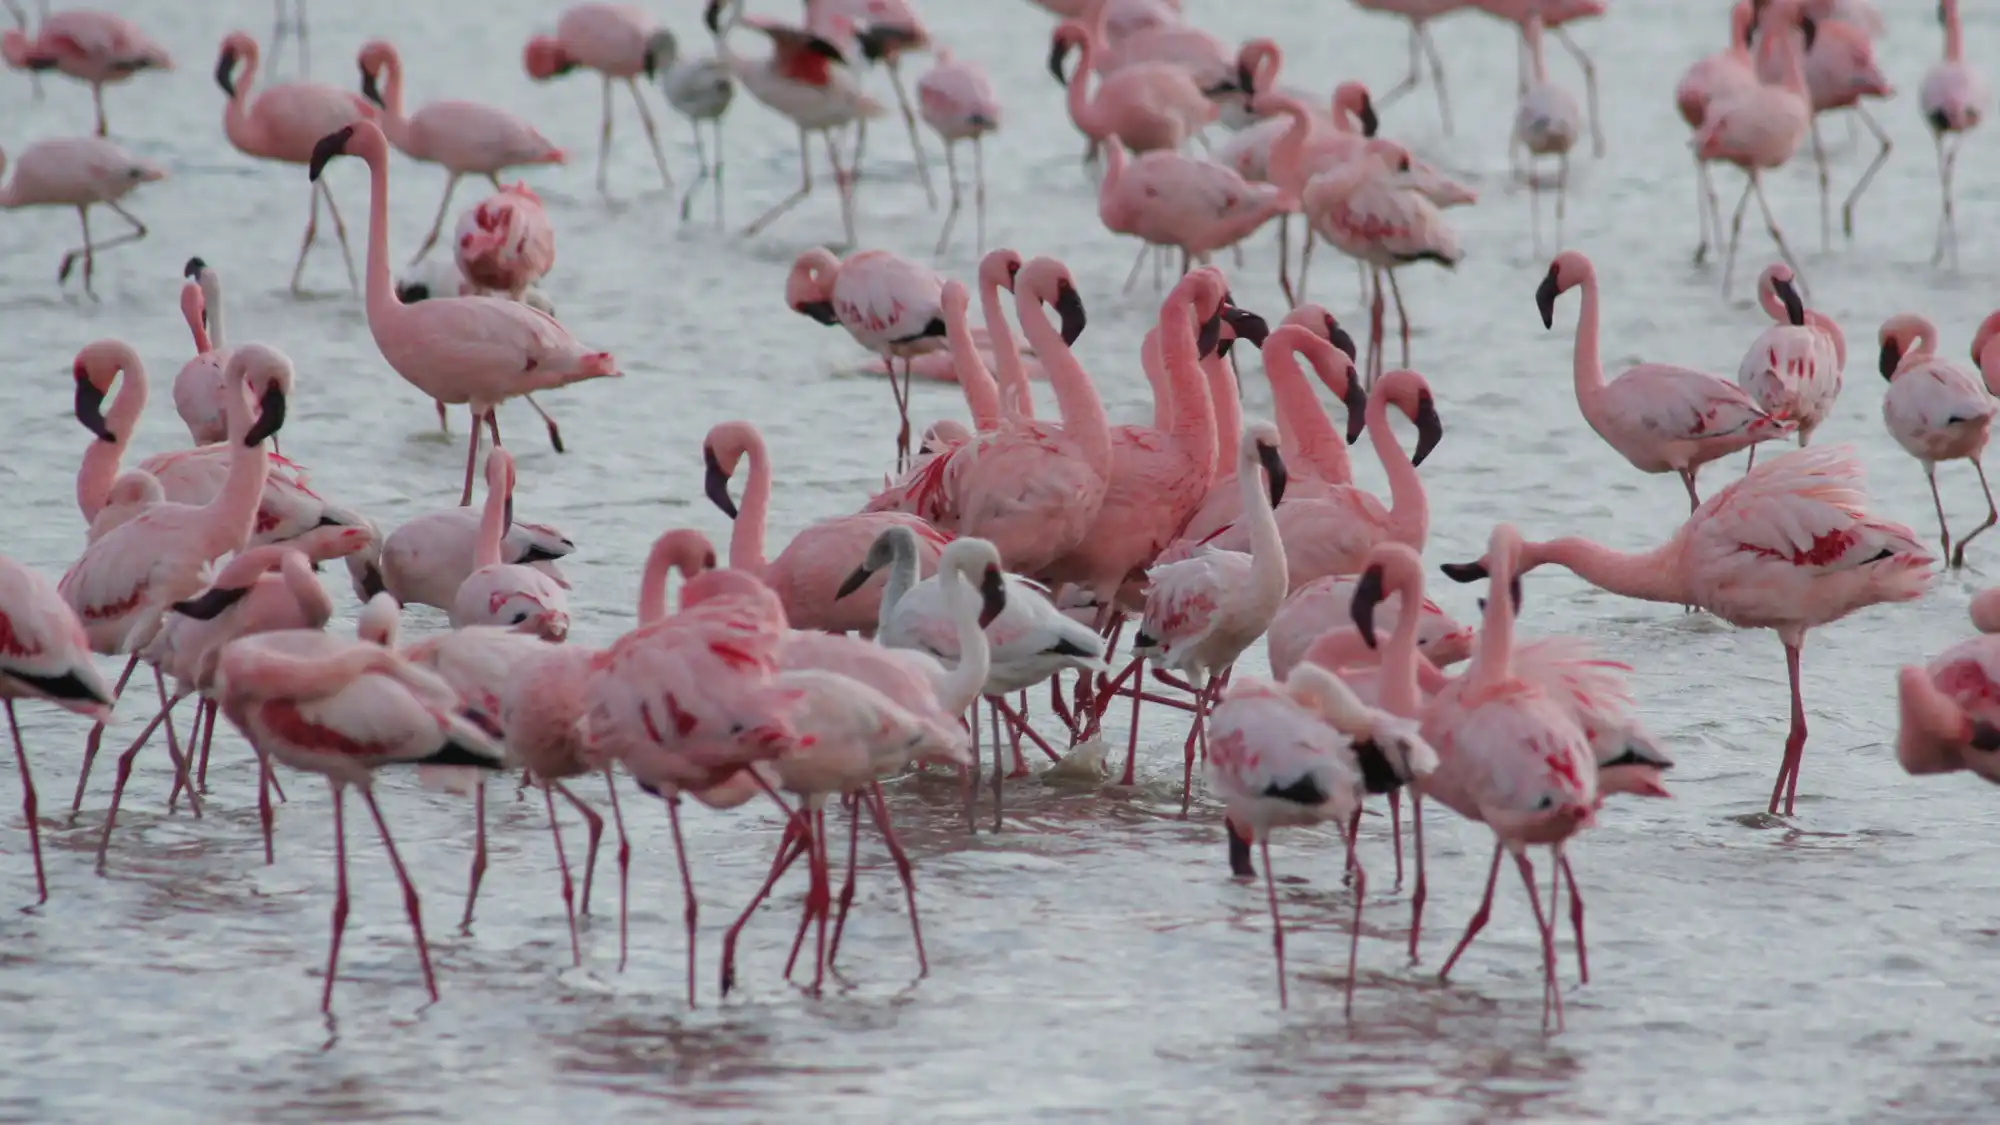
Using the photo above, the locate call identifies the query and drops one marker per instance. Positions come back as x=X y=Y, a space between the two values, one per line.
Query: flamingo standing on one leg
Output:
x=466 y=138
x=94 y=47
x=1954 y=98
x=1937 y=411
x=957 y=99
x=1790 y=546
x=618 y=41
x=476 y=350
x=889 y=304
x=79 y=172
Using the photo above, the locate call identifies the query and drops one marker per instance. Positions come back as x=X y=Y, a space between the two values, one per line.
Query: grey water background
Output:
x=1094 y=961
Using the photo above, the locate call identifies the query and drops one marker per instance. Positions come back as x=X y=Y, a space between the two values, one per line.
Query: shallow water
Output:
x=1095 y=959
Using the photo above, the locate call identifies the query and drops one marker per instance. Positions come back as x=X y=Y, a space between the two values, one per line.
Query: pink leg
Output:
x=207 y=737
x=687 y=887
x=1351 y=830
x=1479 y=917
x=972 y=771
x=1396 y=831
x=124 y=775
x=1551 y=995
x=471 y=461
x=790 y=846
x=182 y=773
x=1277 y=925
x=1354 y=938
x=998 y=778
x=265 y=816
x=812 y=877
x=410 y=904
x=562 y=866
x=902 y=861
x=96 y=739
x=1020 y=725
x=1422 y=889
x=28 y=807
x=624 y=866
x=339 y=893
x=594 y=824
x=1694 y=498
x=478 y=857
x=846 y=897
x=1195 y=734
x=1575 y=918
x=820 y=899
x=1795 y=742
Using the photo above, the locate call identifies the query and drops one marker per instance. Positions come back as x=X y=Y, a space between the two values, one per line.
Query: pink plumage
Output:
x=506 y=244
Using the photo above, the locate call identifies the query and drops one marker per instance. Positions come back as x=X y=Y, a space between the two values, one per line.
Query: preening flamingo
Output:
x=1790 y=546
x=618 y=41
x=1794 y=368
x=476 y=350
x=1948 y=709
x=199 y=387
x=1937 y=411
x=888 y=303
x=94 y=47
x=1954 y=99
x=505 y=244
x=1323 y=605
x=79 y=172
x=465 y=138
x=503 y=593
x=284 y=121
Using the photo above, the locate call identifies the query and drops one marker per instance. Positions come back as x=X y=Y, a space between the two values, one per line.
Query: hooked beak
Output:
x=270 y=416
x=1069 y=306
x=1367 y=595
x=1430 y=428
x=1545 y=298
x=225 y=71
x=372 y=582
x=332 y=145
x=1274 y=466
x=1464 y=572
x=1058 y=52
x=1369 y=122
x=712 y=17
x=1341 y=340
x=1247 y=325
x=209 y=605
x=1356 y=401
x=1210 y=335
x=90 y=408
x=1245 y=81
x=1795 y=308
x=715 y=483
x=368 y=87
x=821 y=311
x=854 y=581
x=992 y=596
x=192 y=271
x=1892 y=354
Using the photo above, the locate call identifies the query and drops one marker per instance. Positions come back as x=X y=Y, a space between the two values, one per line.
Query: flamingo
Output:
x=343 y=709
x=1300 y=146
x=1840 y=71
x=886 y=302
x=1555 y=14
x=1790 y=546
x=198 y=388
x=1546 y=123
x=1759 y=127
x=502 y=593
x=1419 y=13
x=1715 y=78
x=1946 y=714
x=1954 y=99
x=1321 y=606
x=1937 y=411
x=1204 y=612
x=79 y=172
x=475 y=350
x=1170 y=200
x=957 y=100
x=1145 y=106
x=295 y=27
x=618 y=41
x=284 y=121
x=807 y=575
x=1658 y=417
x=466 y=138
x=46 y=657
x=1794 y=368
x=427 y=558
x=701 y=89
x=94 y=47
x=884 y=30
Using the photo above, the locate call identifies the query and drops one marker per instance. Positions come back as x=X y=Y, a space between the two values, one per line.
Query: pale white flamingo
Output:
x=1937 y=411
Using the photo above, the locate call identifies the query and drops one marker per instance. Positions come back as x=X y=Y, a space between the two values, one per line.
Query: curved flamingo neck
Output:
x=315 y=605
x=194 y=304
x=1155 y=370
x=1017 y=399
x=1192 y=421
x=1492 y=661
x=1082 y=411
x=232 y=515
x=211 y=304
x=957 y=689
x=1114 y=175
x=653 y=581
x=1083 y=110
x=982 y=394
x=1588 y=366
x=1302 y=421
x=1653 y=576
x=1831 y=329
x=98 y=471
x=237 y=122
x=492 y=523
x=395 y=124
x=1227 y=407
x=1290 y=148
x=1409 y=506
x=902 y=578
x=1269 y=578
x=385 y=310
x=746 y=538
x=1399 y=687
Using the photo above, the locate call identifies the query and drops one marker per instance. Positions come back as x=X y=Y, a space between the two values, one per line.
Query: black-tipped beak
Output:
x=715 y=483
x=90 y=408
x=192 y=271
x=1545 y=298
x=712 y=16
x=825 y=49
x=992 y=596
x=1210 y=335
x=1342 y=340
x=821 y=311
x=1810 y=26
x=1367 y=595
x=1795 y=309
x=1239 y=852
x=225 y=71
x=854 y=581
x=1356 y=401
x=1274 y=467
x=368 y=87
x=270 y=416
x=1464 y=572
x=1247 y=325
x=371 y=581
x=1245 y=81
x=1514 y=593
x=1985 y=736
x=329 y=146
x=1069 y=306
x=1058 y=51
x=209 y=605
x=1892 y=354
x=1430 y=428
x=1369 y=122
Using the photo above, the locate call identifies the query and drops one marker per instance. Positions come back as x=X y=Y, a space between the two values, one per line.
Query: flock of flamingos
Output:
x=1017 y=550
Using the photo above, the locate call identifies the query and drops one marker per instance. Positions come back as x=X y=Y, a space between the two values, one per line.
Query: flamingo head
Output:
x=375 y=54
x=1408 y=392
x=662 y=51
x=999 y=268
x=1068 y=35
x=236 y=46
x=809 y=288
x=1903 y=336
x=1781 y=294
x=363 y=139
x=1353 y=98
x=544 y=58
x=1987 y=358
x=1569 y=270
x=1242 y=324
x=721 y=451
x=265 y=374
x=1260 y=442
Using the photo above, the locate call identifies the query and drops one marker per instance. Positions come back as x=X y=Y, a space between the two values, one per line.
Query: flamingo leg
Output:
x=594 y=825
x=687 y=887
x=266 y=817
x=1020 y=724
x=1422 y=890
x=1735 y=233
x=340 y=235
x=701 y=175
x=28 y=806
x=1795 y=742
x=790 y=846
x=998 y=778
x=846 y=898
x=792 y=200
x=437 y=224
x=979 y=193
x=555 y=431
x=1551 y=994
x=471 y=460
x=1285 y=260
x=1437 y=78
x=96 y=739
x=124 y=775
x=1305 y=261
x=478 y=874
x=89 y=250
x=410 y=904
x=652 y=135
x=879 y=808
x=957 y=198
x=1944 y=528
x=1277 y=924
x=339 y=894
x=1777 y=236
x=1825 y=191
x=1575 y=917
x=1868 y=175
x=604 y=142
x=562 y=867
x=1413 y=77
x=1948 y=226
x=1992 y=516
x=845 y=177
x=183 y=764
x=1694 y=497
x=624 y=866
x=1354 y=935
x=1402 y=320
x=207 y=737
x=1479 y=917
x=910 y=124
x=444 y=425
x=1396 y=831
x=1589 y=88
x=1708 y=209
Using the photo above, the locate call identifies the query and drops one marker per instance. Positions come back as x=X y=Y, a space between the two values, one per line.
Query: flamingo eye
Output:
x=1404 y=165
x=518 y=618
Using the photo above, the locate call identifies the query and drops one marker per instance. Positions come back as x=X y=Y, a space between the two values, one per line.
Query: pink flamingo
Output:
x=1658 y=417
x=426 y=560
x=1546 y=123
x=1715 y=78
x=476 y=350
x=1278 y=761
x=1302 y=147
x=94 y=47
x=283 y=121
x=1840 y=71
x=807 y=575
x=1511 y=757
x=1169 y=200
x=888 y=303
x=957 y=100
x=79 y=172
x=1954 y=98
x=1323 y=605
x=884 y=31
x=1145 y=106
x=1370 y=209
x=199 y=388
x=466 y=138
x=618 y=41
x=1937 y=411
x=502 y=593
x=1790 y=546
x=1759 y=127
x=343 y=709
x=1419 y=13
x=1208 y=60
x=125 y=582
x=1794 y=368
x=1949 y=710
x=45 y=656
x=505 y=245
x=1204 y=612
